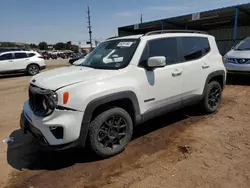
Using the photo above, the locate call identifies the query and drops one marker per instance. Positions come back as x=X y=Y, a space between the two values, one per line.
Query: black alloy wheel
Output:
x=110 y=132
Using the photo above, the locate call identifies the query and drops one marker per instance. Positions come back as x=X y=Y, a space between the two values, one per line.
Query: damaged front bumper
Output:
x=60 y=130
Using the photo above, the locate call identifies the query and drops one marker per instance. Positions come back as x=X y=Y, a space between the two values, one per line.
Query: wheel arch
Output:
x=219 y=76
x=120 y=99
x=33 y=64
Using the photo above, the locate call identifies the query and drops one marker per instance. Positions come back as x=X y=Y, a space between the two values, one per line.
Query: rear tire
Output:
x=110 y=132
x=212 y=99
x=33 y=69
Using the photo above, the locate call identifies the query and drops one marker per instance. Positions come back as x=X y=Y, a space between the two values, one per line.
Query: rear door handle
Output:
x=10 y=61
x=177 y=73
x=205 y=66
x=27 y=59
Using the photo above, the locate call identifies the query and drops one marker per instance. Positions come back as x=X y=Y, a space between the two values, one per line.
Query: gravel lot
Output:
x=179 y=150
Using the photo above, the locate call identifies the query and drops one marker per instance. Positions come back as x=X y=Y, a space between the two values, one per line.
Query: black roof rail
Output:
x=173 y=31
x=112 y=37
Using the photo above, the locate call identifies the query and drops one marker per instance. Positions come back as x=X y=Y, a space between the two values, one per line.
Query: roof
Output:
x=18 y=51
x=126 y=37
x=212 y=19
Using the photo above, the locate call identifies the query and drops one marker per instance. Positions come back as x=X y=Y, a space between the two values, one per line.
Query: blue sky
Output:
x=65 y=20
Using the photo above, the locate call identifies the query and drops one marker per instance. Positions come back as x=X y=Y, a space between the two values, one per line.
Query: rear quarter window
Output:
x=194 y=47
x=31 y=54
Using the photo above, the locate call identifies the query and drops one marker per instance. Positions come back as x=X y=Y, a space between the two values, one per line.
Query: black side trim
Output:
x=13 y=71
x=103 y=100
x=148 y=100
x=163 y=108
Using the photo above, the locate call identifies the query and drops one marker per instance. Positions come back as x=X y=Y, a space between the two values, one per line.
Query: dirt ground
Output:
x=183 y=149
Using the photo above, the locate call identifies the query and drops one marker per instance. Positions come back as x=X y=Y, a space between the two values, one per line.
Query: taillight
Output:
x=223 y=60
x=41 y=57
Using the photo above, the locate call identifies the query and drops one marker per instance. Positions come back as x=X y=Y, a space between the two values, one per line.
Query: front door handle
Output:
x=27 y=59
x=177 y=73
x=10 y=61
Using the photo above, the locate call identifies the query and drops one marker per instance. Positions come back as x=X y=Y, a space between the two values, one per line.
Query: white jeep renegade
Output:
x=123 y=82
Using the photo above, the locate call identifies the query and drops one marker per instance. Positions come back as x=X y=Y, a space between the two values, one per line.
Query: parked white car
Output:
x=122 y=83
x=237 y=60
x=21 y=61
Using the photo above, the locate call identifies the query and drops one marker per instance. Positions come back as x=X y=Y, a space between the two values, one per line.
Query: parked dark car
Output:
x=72 y=60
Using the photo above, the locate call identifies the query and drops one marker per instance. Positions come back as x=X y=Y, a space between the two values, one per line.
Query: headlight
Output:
x=225 y=60
x=50 y=103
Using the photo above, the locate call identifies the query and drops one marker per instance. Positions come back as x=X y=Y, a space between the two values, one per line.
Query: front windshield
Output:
x=243 y=45
x=114 y=54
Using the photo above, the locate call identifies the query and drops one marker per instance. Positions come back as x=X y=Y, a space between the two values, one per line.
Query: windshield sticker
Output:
x=124 y=44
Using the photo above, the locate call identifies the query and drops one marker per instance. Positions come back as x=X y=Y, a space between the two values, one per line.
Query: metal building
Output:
x=229 y=25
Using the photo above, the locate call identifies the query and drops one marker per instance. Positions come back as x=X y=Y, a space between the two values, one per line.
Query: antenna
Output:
x=89 y=27
x=141 y=18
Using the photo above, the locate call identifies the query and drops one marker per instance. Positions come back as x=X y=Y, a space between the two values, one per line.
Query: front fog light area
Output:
x=57 y=131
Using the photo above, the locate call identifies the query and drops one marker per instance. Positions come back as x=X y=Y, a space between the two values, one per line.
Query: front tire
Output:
x=212 y=99
x=33 y=69
x=110 y=132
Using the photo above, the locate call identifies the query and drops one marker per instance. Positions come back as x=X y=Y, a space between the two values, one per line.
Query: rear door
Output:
x=21 y=60
x=195 y=66
x=6 y=62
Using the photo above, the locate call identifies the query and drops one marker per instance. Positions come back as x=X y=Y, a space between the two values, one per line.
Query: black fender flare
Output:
x=212 y=75
x=104 y=100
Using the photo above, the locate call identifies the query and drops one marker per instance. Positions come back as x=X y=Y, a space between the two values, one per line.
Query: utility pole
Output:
x=141 y=18
x=90 y=31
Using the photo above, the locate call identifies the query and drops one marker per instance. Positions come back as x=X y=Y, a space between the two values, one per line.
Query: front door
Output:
x=6 y=62
x=163 y=86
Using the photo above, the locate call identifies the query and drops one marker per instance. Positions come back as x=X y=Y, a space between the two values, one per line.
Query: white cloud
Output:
x=169 y=8
x=124 y=14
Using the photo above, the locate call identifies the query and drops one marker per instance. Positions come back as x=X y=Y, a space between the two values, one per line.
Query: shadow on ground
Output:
x=2 y=76
x=238 y=79
x=24 y=152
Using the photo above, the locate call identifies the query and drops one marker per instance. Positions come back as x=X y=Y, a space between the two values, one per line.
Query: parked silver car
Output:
x=237 y=60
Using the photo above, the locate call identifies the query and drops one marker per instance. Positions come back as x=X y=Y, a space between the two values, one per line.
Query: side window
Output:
x=205 y=45
x=194 y=47
x=191 y=48
x=20 y=55
x=167 y=47
x=6 y=57
x=31 y=54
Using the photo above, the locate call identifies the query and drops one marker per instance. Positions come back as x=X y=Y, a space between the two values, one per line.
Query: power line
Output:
x=89 y=27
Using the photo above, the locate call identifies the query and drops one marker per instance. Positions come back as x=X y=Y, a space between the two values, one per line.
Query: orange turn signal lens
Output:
x=65 y=97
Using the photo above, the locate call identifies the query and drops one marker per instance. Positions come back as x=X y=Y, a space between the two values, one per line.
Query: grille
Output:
x=39 y=101
x=242 y=61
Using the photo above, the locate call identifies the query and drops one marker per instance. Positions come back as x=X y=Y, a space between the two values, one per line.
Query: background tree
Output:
x=75 y=48
x=60 y=46
x=33 y=46
x=68 y=45
x=43 y=46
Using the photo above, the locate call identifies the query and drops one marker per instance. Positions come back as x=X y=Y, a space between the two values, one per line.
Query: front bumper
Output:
x=40 y=127
x=237 y=68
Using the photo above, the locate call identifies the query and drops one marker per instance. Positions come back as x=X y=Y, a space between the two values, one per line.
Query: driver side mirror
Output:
x=156 y=62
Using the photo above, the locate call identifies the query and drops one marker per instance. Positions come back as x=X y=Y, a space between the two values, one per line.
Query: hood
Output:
x=61 y=77
x=237 y=54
